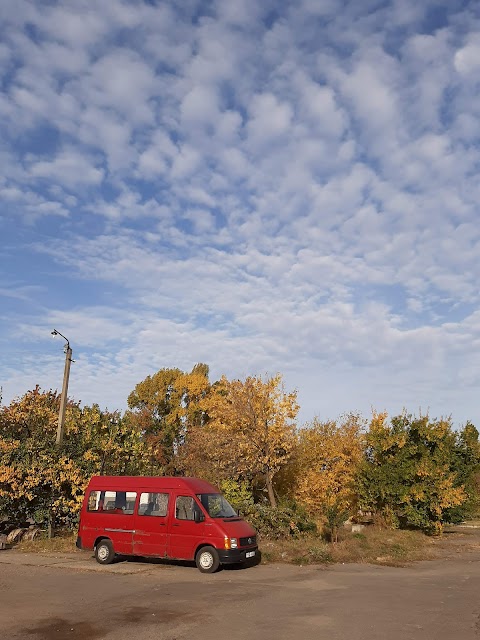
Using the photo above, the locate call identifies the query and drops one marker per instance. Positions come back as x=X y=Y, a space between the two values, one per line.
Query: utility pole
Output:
x=61 y=415
x=63 y=399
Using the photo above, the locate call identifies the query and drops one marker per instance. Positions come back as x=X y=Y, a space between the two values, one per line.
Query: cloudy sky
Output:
x=264 y=186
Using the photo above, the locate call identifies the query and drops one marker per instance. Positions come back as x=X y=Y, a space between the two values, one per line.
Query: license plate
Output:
x=250 y=554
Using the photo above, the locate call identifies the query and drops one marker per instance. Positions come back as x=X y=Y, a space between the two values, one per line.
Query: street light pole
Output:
x=63 y=399
x=61 y=417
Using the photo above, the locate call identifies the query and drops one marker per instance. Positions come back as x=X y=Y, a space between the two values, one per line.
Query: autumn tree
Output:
x=408 y=474
x=211 y=452
x=466 y=465
x=104 y=442
x=27 y=437
x=164 y=406
x=326 y=463
x=255 y=419
x=37 y=478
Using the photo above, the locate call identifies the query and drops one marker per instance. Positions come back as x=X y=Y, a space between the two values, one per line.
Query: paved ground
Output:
x=70 y=596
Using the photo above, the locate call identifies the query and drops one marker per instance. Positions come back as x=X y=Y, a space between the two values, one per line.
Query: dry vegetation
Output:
x=61 y=543
x=371 y=545
x=374 y=545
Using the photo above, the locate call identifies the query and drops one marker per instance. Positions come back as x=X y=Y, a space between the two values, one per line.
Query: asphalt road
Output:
x=55 y=597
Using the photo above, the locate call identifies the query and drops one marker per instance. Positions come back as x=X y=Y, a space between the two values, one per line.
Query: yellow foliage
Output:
x=36 y=477
x=257 y=418
x=327 y=458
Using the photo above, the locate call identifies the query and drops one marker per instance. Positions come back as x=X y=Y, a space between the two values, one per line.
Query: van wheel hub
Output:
x=103 y=552
x=206 y=560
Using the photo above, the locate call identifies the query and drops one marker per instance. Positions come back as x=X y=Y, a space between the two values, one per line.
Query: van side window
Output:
x=113 y=502
x=184 y=508
x=153 y=504
x=94 y=503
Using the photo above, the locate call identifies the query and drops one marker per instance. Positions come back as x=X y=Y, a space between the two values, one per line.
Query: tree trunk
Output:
x=334 y=534
x=271 y=494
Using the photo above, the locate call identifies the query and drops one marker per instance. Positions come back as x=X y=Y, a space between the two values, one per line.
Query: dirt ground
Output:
x=70 y=596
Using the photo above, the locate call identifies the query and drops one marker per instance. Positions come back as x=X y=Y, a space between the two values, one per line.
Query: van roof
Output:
x=125 y=483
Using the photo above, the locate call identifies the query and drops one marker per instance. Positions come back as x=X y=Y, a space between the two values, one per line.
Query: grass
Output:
x=63 y=542
x=383 y=546
x=300 y=551
x=373 y=545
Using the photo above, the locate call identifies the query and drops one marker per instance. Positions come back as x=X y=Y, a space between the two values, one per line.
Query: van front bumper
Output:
x=78 y=543
x=232 y=556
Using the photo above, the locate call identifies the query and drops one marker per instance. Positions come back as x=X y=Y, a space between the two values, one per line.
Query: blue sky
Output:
x=265 y=186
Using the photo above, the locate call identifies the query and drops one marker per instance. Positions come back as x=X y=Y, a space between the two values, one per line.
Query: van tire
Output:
x=104 y=551
x=207 y=560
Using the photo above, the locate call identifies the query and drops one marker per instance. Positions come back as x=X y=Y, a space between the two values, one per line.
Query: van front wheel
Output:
x=104 y=552
x=207 y=560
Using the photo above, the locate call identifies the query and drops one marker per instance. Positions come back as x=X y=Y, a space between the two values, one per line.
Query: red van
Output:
x=163 y=517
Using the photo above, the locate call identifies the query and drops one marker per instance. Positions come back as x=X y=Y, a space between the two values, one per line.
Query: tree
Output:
x=256 y=418
x=407 y=474
x=326 y=463
x=164 y=406
x=466 y=465
x=212 y=452
x=27 y=454
x=37 y=478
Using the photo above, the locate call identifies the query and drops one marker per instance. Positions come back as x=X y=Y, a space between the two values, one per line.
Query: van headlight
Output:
x=231 y=543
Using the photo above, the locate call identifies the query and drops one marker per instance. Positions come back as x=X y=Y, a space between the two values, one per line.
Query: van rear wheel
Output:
x=104 y=552
x=207 y=560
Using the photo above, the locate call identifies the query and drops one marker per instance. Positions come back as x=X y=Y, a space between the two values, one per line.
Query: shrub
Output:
x=408 y=475
x=279 y=522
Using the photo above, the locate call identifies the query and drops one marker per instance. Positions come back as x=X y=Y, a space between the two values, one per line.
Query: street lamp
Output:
x=63 y=399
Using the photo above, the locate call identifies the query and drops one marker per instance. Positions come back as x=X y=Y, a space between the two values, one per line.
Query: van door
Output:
x=185 y=533
x=112 y=515
x=151 y=530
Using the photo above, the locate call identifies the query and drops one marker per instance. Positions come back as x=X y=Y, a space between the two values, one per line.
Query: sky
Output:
x=264 y=187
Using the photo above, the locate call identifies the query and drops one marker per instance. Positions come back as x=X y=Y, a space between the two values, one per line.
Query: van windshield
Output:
x=216 y=505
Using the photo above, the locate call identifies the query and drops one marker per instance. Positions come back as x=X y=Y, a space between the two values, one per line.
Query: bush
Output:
x=279 y=522
x=411 y=471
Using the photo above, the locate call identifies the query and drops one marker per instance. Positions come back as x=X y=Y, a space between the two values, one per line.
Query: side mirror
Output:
x=198 y=515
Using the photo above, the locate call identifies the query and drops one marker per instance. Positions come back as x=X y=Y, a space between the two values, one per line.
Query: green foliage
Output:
x=410 y=472
x=37 y=478
x=278 y=522
x=318 y=553
x=408 y=475
x=466 y=465
x=359 y=536
x=164 y=406
x=335 y=516
x=238 y=494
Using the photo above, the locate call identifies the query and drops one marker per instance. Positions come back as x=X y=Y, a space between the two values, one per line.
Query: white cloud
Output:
x=319 y=7
x=106 y=130
x=185 y=162
x=199 y=107
x=156 y=158
x=320 y=107
x=203 y=221
x=467 y=59
x=371 y=92
x=69 y=168
x=270 y=118
x=120 y=81
x=265 y=188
